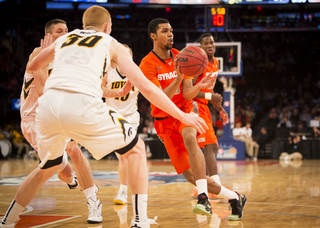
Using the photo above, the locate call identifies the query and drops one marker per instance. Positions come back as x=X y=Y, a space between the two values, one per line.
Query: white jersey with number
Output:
x=85 y=65
x=126 y=105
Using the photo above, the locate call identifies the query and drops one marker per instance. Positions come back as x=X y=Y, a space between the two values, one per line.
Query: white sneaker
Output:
x=96 y=188
x=121 y=198
x=144 y=224
x=94 y=211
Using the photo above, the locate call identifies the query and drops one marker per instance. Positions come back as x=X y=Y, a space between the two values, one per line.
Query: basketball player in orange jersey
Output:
x=209 y=140
x=31 y=91
x=180 y=140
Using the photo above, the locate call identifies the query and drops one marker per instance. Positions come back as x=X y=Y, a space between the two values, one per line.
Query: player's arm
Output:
x=40 y=77
x=120 y=56
x=44 y=57
x=115 y=92
x=191 y=91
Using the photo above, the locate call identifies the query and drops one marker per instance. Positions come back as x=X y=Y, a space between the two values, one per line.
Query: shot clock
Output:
x=216 y=17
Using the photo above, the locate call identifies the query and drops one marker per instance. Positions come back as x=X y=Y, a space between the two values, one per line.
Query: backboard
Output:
x=229 y=56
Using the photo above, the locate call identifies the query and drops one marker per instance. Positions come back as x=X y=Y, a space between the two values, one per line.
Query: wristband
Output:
x=207 y=96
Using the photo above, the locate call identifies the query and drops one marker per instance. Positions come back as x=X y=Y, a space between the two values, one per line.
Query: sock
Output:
x=216 y=179
x=123 y=188
x=90 y=193
x=12 y=215
x=202 y=186
x=228 y=194
x=139 y=207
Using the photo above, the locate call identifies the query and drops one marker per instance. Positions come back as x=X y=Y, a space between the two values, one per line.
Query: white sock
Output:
x=90 y=193
x=216 y=179
x=228 y=194
x=123 y=188
x=12 y=214
x=202 y=186
x=139 y=207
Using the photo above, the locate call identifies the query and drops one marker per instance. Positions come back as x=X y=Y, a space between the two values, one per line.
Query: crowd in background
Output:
x=279 y=88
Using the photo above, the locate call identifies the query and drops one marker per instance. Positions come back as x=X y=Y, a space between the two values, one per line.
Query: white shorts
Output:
x=28 y=128
x=133 y=119
x=86 y=119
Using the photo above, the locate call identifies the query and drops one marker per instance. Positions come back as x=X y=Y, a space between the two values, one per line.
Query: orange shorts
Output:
x=209 y=137
x=169 y=130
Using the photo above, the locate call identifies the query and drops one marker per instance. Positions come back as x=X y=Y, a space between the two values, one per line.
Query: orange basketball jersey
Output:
x=161 y=72
x=212 y=67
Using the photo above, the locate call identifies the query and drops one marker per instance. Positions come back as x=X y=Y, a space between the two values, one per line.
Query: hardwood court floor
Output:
x=279 y=195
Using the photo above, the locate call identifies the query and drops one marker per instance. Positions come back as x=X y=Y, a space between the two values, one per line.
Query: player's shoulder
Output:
x=148 y=59
x=175 y=51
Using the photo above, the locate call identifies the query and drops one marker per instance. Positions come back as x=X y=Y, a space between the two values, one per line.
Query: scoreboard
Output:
x=216 y=17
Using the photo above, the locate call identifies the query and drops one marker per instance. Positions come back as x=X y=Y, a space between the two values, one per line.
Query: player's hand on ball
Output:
x=195 y=121
x=180 y=75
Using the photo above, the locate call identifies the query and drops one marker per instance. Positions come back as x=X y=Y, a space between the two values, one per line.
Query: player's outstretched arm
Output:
x=121 y=57
x=45 y=56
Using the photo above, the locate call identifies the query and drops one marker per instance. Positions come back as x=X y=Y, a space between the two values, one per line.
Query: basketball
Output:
x=192 y=61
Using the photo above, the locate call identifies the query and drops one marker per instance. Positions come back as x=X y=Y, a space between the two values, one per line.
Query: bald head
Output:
x=95 y=16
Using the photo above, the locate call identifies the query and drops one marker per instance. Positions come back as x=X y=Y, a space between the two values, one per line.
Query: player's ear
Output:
x=153 y=36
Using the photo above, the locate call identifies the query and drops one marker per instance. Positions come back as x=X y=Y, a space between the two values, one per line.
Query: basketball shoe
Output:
x=76 y=185
x=94 y=211
x=237 y=207
x=203 y=206
x=146 y=224
x=121 y=198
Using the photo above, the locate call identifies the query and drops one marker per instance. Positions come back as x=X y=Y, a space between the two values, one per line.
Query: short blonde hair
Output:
x=95 y=16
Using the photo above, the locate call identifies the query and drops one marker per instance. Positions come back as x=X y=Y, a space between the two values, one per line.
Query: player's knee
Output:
x=189 y=139
x=73 y=150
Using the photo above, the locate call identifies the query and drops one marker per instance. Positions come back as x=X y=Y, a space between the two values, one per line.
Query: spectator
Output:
x=263 y=138
x=240 y=134
x=255 y=145
x=284 y=123
x=315 y=133
x=19 y=142
x=295 y=150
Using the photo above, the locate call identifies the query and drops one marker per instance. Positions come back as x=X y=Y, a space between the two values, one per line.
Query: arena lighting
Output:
x=59 y=5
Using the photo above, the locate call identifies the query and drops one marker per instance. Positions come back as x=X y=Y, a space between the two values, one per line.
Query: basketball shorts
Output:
x=169 y=131
x=28 y=128
x=86 y=119
x=209 y=137
x=133 y=119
